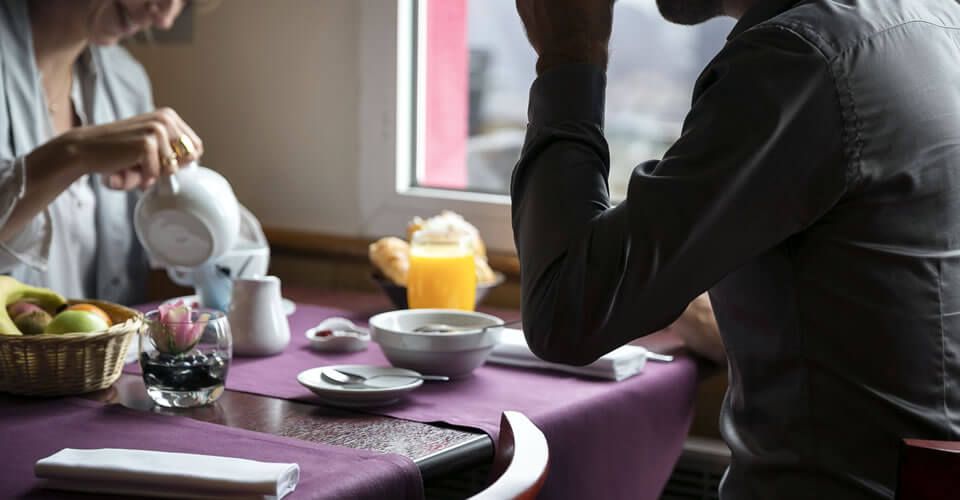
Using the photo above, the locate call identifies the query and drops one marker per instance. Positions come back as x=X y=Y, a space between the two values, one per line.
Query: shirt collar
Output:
x=86 y=63
x=762 y=11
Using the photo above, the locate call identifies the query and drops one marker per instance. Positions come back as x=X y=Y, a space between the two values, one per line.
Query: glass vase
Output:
x=185 y=357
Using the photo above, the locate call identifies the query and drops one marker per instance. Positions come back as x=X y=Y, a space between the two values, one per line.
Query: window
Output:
x=463 y=70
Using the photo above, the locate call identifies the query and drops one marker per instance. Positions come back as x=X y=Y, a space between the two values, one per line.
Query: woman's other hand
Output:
x=134 y=152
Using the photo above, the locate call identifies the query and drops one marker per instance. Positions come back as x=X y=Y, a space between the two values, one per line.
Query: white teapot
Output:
x=188 y=218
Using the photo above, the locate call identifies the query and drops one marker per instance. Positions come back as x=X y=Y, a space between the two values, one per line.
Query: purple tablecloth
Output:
x=33 y=429
x=607 y=440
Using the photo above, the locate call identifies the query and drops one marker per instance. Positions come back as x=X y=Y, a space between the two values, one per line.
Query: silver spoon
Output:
x=341 y=376
x=444 y=328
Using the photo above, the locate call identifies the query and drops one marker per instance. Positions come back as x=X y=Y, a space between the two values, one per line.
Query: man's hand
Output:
x=568 y=31
x=698 y=329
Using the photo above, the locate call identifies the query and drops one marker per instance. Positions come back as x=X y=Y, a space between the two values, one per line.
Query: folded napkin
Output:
x=171 y=475
x=618 y=364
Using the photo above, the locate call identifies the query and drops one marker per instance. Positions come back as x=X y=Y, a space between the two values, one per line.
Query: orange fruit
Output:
x=90 y=308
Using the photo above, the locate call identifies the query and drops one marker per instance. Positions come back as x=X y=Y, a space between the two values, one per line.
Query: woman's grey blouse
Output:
x=83 y=244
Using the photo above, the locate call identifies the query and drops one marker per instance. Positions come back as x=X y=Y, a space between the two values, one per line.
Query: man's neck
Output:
x=736 y=8
x=56 y=44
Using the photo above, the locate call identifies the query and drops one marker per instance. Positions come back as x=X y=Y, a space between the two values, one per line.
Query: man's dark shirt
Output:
x=815 y=192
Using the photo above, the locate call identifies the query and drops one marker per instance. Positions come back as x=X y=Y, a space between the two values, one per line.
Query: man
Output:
x=814 y=192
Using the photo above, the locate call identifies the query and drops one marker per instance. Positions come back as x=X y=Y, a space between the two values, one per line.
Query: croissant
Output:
x=392 y=257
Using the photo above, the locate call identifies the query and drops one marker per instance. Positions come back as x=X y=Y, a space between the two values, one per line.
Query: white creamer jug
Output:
x=257 y=319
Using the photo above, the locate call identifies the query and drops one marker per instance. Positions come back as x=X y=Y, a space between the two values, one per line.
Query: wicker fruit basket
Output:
x=72 y=363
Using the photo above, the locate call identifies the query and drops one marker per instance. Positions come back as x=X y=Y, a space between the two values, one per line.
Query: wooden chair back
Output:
x=521 y=462
x=929 y=470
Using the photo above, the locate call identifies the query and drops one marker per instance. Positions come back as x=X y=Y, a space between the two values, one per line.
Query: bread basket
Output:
x=71 y=363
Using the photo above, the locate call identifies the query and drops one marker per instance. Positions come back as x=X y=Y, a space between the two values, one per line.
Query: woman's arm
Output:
x=49 y=170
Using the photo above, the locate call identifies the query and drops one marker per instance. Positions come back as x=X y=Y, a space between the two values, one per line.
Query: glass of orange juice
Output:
x=442 y=272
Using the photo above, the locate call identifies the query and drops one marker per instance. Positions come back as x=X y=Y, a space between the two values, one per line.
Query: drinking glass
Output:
x=442 y=271
x=185 y=361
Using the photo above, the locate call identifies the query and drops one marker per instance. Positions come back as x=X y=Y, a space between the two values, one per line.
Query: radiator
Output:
x=698 y=471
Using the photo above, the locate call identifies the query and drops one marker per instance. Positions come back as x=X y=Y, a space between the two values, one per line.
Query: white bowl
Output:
x=454 y=354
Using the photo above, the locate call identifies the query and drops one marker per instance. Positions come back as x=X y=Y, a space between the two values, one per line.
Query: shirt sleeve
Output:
x=760 y=158
x=31 y=245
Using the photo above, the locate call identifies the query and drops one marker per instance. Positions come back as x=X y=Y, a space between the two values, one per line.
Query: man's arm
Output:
x=760 y=159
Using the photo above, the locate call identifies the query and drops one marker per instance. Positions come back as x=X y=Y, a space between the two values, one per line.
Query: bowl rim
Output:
x=380 y=329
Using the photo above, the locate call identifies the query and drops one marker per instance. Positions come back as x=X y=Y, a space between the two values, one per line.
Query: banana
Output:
x=12 y=290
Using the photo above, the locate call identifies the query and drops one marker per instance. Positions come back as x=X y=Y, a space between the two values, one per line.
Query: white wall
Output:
x=272 y=88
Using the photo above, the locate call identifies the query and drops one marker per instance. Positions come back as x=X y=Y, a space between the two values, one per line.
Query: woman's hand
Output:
x=128 y=153
x=133 y=152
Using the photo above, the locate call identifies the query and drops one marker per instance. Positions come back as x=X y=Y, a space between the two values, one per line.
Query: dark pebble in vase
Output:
x=184 y=373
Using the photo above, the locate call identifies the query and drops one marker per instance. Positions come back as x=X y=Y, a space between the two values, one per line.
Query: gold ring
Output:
x=183 y=146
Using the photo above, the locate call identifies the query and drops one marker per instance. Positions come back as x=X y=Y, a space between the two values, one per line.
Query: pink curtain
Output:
x=447 y=95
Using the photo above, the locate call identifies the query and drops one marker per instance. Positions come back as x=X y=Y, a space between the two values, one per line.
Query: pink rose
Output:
x=176 y=332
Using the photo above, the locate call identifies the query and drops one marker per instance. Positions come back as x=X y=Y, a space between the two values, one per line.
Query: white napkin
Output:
x=618 y=364
x=172 y=475
x=133 y=351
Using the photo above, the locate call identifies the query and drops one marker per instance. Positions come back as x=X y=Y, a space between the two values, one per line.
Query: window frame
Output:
x=392 y=62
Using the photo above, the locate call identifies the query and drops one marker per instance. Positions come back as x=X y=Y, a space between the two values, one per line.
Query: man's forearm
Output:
x=559 y=192
x=734 y=185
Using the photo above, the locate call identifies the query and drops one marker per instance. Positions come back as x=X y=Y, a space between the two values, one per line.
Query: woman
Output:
x=79 y=139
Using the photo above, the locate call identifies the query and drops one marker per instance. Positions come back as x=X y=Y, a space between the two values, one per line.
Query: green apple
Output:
x=73 y=321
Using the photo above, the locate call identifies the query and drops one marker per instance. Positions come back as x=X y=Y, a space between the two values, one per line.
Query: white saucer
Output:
x=375 y=392
x=289 y=307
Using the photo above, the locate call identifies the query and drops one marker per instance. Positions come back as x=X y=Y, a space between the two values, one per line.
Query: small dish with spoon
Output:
x=349 y=377
x=382 y=385
x=338 y=335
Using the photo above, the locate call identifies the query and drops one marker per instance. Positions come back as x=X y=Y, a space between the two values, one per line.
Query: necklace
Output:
x=53 y=99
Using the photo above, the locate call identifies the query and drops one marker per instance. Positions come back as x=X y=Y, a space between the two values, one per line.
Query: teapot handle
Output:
x=168 y=185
